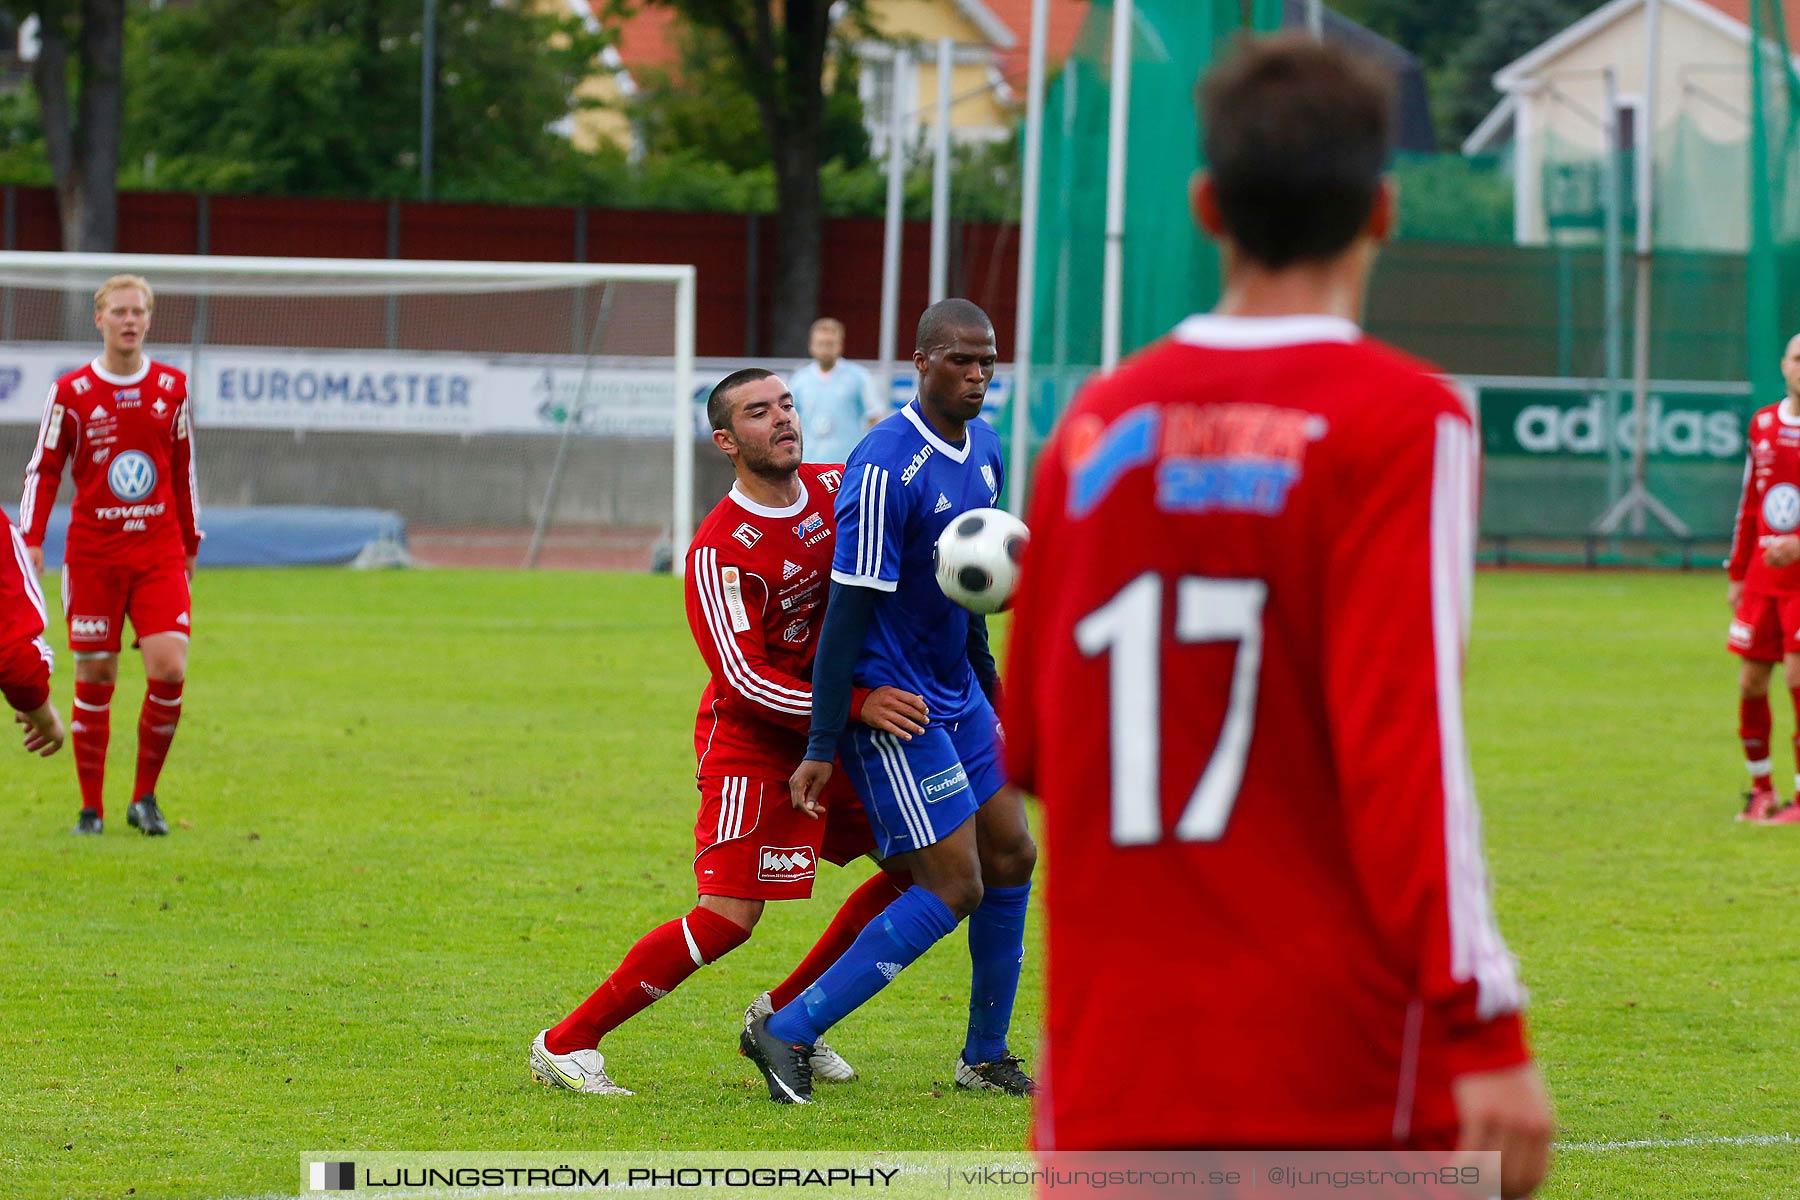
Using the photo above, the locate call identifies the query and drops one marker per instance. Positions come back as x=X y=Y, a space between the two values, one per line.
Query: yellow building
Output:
x=986 y=79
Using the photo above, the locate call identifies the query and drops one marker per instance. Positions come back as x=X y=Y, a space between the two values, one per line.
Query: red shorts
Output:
x=751 y=843
x=25 y=667
x=1766 y=626
x=97 y=599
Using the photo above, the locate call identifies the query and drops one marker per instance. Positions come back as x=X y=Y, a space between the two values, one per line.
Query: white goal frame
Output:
x=81 y=272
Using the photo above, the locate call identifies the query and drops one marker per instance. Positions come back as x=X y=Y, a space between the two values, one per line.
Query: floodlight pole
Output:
x=1612 y=236
x=427 y=97
x=1638 y=499
x=1028 y=246
x=890 y=253
x=1119 y=131
x=940 y=175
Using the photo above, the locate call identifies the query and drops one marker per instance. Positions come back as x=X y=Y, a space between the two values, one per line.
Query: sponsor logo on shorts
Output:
x=946 y=783
x=781 y=864
x=1781 y=508
x=132 y=476
x=748 y=534
x=88 y=627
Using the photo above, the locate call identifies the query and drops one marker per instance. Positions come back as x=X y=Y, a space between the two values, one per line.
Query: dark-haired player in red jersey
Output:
x=757 y=577
x=1764 y=587
x=1236 y=682
x=25 y=658
x=122 y=427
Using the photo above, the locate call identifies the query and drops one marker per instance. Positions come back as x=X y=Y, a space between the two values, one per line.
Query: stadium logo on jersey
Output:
x=789 y=570
x=944 y=783
x=780 y=864
x=132 y=476
x=831 y=481
x=88 y=627
x=748 y=534
x=812 y=524
x=912 y=468
x=1781 y=508
x=795 y=632
x=942 y=504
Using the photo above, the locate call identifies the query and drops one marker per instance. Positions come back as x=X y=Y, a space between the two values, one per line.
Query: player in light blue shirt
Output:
x=938 y=801
x=831 y=395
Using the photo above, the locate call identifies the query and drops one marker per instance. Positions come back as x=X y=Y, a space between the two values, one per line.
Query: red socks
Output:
x=156 y=729
x=862 y=906
x=652 y=969
x=90 y=728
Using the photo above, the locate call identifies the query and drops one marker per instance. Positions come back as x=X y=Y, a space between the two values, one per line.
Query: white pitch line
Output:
x=1748 y=1139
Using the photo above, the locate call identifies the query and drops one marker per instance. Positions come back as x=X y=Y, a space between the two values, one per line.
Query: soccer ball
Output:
x=977 y=558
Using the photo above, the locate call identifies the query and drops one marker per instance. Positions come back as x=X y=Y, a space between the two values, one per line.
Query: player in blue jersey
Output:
x=939 y=801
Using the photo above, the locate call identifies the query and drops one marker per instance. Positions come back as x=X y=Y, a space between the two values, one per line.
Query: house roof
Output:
x=1729 y=16
x=1064 y=24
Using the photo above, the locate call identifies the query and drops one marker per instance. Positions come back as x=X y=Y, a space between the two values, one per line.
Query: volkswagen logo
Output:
x=132 y=476
x=1781 y=508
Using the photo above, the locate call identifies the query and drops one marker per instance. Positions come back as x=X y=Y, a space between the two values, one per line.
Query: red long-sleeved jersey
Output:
x=1235 y=680
x=128 y=442
x=1770 y=504
x=757 y=580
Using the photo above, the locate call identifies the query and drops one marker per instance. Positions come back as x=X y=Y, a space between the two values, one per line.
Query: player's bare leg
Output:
x=997 y=945
x=1790 y=670
x=165 y=671
x=90 y=729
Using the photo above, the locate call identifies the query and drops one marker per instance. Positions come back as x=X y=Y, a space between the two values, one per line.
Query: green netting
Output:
x=1513 y=303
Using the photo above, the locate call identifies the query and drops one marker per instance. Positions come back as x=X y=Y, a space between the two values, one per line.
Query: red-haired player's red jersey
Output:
x=757 y=580
x=128 y=442
x=1235 y=678
x=1770 y=504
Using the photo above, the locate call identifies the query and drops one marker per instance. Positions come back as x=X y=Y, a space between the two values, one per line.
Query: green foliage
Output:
x=1449 y=198
x=324 y=98
x=1504 y=30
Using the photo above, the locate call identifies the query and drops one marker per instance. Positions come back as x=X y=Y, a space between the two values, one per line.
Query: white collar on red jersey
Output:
x=1218 y=332
x=762 y=510
x=1781 y=411
x=120 y=380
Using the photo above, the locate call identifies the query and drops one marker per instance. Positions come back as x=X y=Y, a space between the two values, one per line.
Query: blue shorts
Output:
x=919 y=792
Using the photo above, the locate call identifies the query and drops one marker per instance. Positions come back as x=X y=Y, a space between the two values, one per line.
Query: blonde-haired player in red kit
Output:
x=121 y=426
x=1764 y=587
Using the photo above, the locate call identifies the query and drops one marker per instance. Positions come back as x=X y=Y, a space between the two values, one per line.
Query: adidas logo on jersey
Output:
x=97 y=414
x=889 y=970
x=789 y=570
x=942 y=504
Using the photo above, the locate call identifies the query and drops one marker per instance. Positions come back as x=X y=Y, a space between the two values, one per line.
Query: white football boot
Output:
x=578 y=1071
x=827 y=1063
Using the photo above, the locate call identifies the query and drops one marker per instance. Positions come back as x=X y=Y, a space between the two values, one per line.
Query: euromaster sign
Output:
x=1684 y=425
x=376 y=391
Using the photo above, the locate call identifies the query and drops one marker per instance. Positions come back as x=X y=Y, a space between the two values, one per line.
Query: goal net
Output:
x=509 y=413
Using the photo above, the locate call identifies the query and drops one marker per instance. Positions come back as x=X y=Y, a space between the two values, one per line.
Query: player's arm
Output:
x=57 y=433
x=1029 y=604
x=981 y=660
x=1743 y=536
x=186 y=481
x=1394 y=635
x=725 y=607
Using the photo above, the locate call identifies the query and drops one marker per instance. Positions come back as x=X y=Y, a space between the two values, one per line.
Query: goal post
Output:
x=494 y=405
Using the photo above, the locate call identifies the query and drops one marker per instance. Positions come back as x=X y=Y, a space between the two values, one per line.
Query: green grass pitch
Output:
x=421 y=814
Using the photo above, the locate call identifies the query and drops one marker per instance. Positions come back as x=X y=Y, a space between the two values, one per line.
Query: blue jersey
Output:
x=903 y=485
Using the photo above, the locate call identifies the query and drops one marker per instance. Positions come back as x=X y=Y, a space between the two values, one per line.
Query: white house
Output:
x=1553 y=120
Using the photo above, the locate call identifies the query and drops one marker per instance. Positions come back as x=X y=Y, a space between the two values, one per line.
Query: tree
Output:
x=81 y=133
x=1504 y=30
x=778 y=50
x=325 y=95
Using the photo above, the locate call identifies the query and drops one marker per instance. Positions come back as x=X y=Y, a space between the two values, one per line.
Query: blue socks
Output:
x=907 y=928
x=996 y=950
